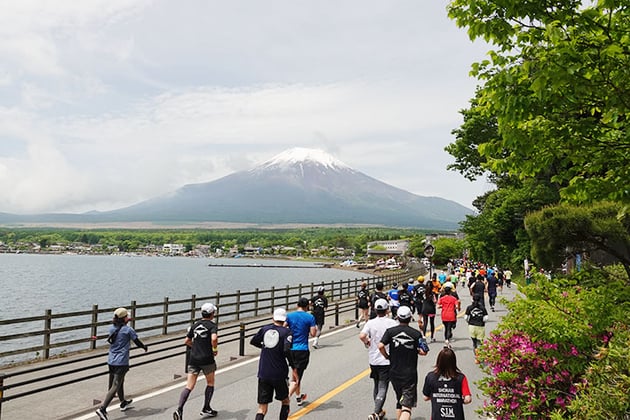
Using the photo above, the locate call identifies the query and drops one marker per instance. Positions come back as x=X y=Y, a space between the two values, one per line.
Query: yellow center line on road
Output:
x=313 y=405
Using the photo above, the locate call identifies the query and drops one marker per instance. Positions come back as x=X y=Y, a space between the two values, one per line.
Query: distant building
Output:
x=173 y=249
x=380 y=248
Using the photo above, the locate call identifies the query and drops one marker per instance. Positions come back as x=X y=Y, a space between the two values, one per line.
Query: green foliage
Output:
x=543 y=359
x=135 y=239
x=603 y=392
x=447 y=249
x=597 y=227
x=558 y=86
x=497 y=234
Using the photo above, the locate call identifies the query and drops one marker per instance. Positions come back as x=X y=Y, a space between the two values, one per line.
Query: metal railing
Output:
x=239 y=315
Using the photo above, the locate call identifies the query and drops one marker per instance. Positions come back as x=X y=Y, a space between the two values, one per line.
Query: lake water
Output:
x=65 y=283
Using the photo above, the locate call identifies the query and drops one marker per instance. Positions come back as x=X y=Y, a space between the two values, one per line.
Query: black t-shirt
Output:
x=478 y=288
x=447 y=402
x=275 y=342
x=404 y=342
x=320 y=303
x=475 y=314
x=492 y=284
x=405 y=298
x=363 y=297
x=376 y=296
x=201 y=335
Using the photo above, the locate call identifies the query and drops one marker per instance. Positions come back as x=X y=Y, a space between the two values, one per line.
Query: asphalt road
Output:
x=337 y=381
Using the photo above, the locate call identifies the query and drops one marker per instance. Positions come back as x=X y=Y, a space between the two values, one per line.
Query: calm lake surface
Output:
x=65 y=283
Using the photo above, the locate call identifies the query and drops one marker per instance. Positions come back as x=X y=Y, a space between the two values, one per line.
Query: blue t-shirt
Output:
x=300 y=323
x=119 y=348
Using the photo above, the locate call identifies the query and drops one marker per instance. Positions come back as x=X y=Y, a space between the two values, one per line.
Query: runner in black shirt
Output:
x=273 y=370
x=363 y=303
x=405 y=344
x=319 y=303
x=203 y=341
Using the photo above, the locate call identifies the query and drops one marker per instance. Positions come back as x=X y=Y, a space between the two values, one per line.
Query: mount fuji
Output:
x=298 y=186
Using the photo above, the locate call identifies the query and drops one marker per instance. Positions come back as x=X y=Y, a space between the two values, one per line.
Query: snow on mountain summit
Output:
x=299 y=155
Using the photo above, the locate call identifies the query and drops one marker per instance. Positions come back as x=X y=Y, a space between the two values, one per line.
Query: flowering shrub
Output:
x=527 y=378
x=540 y=359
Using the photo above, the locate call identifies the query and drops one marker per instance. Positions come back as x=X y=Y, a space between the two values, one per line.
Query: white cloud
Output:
x=118 y=102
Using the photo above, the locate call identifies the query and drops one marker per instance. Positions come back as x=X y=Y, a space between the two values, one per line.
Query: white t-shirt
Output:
x=375 y=328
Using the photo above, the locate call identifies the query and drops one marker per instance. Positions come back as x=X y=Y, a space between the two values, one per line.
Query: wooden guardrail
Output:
x=239 y=315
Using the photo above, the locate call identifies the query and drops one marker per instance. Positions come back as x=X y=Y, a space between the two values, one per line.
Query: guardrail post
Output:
x=273 y=297
x=2 y=375
x=217 y=300
x=165 y=317
x=336 y=314
x=241 y=340
x=133 y=314
x=286 y=297
x=237 y=309
x=193 y=308
x=256 y=302
x=47 y=327
x=93 y=328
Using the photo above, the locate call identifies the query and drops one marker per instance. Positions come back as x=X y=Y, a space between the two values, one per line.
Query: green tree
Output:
x=447 y=249
x=564 y=228
x=558 y=85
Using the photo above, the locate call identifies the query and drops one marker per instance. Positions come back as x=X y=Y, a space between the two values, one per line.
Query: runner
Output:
x=428 y=310
x=371 y=335
x=447 y=388
x=302 y=325
x=478 y=288
x=405 y=344
x=202 y=338
x=491 y=284
x=449 y=305
x=392 y=296
x=319 y=303
x=119 y=339
x=363 y=299
x=476 y=316
x=378 y=294
x=275 y=341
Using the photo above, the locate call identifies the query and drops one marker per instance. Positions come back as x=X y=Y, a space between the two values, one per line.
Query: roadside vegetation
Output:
x=328 y=242
x=549 y=127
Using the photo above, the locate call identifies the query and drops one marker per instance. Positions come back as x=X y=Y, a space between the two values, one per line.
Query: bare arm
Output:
x=381 y=348
x=215 y=344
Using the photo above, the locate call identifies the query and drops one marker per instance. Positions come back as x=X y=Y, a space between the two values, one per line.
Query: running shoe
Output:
x=126 y=405
x=101 y=413
x=177 y=414
x=301 y=399
x=373 y=416
x=381 y=415
x=208 y=412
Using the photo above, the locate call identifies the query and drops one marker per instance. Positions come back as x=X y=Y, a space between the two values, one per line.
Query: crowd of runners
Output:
x=385 y=323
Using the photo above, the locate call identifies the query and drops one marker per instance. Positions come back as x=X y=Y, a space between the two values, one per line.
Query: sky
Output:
x=106 y=103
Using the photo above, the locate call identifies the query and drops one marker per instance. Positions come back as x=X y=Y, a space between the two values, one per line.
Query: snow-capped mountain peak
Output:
x=300 y=155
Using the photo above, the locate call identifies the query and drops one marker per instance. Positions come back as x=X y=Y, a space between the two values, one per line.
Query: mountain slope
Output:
x=297 y=186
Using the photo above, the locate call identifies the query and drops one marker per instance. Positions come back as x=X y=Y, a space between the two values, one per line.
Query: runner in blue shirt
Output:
x=120 y=337
x=302 y=325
